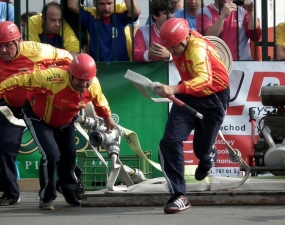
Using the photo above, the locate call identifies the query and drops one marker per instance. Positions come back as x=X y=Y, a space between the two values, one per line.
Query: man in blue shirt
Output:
x=106 y=24
x=189 y=13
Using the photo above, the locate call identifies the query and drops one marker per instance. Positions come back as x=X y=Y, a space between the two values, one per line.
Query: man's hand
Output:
x=73 y=6
x=227 y=9
x=248 y=5
x=133 y=8
x=110 y=124
x=165 y=90
x=158 y=51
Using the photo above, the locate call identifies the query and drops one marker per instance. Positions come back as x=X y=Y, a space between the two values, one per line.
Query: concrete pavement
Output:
x=27 y=213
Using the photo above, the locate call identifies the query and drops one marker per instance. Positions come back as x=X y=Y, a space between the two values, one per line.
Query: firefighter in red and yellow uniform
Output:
x=18 y=56
x=54 y=99
x=205 y=87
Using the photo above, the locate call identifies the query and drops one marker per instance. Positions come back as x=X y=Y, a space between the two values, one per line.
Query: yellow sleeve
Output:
x=99 y=100
x=34 y=28
x=40 y=81
x=45 y=54
x=18 y=81
x=129 y=42
x=60 y=56
x=121 y=7
x=280 y=34
x=198 y=66
x=71 y=42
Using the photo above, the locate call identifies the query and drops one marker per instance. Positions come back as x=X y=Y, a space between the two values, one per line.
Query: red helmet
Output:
x=173 y=31
x=9 y=32
x=83 y=67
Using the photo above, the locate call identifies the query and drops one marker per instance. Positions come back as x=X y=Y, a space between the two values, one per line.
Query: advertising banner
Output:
x=236 y=127
x=29 y=157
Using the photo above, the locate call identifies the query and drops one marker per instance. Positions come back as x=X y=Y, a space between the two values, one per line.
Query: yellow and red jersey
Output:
x=32 y=56
x=200 y=67
x=65 y=39
x=53 y=98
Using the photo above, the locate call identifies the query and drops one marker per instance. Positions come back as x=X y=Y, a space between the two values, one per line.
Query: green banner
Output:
x=129 y=109
x=28 y=158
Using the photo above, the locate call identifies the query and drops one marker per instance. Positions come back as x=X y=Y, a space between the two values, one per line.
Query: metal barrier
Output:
x=265 y=10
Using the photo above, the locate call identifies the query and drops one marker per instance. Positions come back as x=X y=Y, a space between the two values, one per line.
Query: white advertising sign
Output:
x=236 y=127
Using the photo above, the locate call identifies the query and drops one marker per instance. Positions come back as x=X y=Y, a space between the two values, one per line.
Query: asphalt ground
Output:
x=28 y=213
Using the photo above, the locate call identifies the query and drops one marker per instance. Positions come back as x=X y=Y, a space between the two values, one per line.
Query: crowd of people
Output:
x=108 y=31
x=53 y=62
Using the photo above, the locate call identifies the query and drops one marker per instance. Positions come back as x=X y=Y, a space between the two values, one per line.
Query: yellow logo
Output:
x=55 y=78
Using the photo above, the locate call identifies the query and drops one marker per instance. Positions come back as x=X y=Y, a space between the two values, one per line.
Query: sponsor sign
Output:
x=236 y=127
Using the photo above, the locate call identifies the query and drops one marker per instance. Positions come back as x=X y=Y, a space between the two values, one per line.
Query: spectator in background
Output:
x=147 y=44
x=178 y=7
x=220 y=19
x=192 y=7
x=280 y=41
x=73 y=20
x=133 y=26
x=5 y=7
x=24 y=19
x=49 y=28
x=106 y=26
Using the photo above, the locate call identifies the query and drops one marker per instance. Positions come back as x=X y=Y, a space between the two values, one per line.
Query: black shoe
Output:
x=69 y=196
x=79 y=191
x=201 y=174
x=5 y=200
x=46 y=204
x=177 y=204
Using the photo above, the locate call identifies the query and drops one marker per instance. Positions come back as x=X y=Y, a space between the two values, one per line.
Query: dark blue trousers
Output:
x=10 y=141
x=58 y=148
x=178 y=128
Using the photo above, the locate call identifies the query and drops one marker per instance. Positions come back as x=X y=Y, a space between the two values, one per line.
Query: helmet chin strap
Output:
x=72 y=77
x=184 y=46
x=17 y=47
